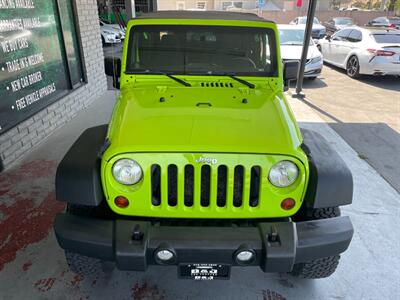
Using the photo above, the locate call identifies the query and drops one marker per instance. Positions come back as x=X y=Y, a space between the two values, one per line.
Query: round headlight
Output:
x=283 y=174
x=127 y=171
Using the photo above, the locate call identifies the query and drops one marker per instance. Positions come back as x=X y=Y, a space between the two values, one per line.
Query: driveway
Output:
x=365 y=113
x=32 y=266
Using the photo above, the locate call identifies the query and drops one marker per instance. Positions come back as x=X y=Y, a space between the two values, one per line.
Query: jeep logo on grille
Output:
x=207 y=160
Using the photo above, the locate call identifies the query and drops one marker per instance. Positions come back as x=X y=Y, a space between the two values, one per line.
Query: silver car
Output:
x=363 y=50
x=318 y=30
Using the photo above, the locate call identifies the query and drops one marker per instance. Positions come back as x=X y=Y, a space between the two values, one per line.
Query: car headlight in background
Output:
x=283 y=173
x=127 y=171
x=315 y=59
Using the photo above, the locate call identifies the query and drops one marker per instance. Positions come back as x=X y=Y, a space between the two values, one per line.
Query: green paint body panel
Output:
x=190 y=122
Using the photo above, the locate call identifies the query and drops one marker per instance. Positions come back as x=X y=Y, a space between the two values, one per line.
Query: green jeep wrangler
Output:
x=202 y=165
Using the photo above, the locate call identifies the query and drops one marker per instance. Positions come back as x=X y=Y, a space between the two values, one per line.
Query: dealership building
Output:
x=51 y=67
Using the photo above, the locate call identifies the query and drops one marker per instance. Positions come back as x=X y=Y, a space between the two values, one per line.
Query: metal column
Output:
x=130 y=9
x=307 y=36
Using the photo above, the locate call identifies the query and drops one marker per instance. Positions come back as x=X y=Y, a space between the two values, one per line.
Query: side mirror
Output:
x=290 y=71
x=328 y=38
x=112 y=67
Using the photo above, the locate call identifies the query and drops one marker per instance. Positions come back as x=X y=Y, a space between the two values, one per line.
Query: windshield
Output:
x=292 y=37
x=344 y=21
x=304 y=20
x=387 y=38
x=208 y=50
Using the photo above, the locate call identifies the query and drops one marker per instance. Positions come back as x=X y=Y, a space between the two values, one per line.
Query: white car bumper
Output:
x=112 y=38
x=313 y=69
x=380 y=65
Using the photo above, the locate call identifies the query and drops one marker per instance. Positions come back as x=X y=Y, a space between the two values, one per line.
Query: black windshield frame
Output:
x=273 y=72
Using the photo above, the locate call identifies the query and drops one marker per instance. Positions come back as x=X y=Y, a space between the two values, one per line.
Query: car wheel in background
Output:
x=103 y=41
x=353 y=67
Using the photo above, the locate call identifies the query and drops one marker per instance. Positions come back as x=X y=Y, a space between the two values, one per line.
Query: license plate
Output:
x=204 y=271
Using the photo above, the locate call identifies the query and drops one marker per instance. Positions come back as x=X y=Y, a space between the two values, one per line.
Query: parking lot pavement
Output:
x=365 y=113
x=113 y=50
x=32 y=266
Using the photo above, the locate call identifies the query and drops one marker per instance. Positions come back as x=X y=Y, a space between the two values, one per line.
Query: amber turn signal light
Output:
x=121 y=202
x=288 y=204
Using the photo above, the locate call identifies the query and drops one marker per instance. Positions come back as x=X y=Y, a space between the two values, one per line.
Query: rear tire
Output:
x=321 y=267
x=353 y=67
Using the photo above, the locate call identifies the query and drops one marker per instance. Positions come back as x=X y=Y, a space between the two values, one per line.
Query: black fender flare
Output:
x=78 y=178
x=330 y=181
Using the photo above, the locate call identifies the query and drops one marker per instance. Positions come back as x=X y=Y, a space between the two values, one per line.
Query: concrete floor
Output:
x=365 y=113
x=32 y=265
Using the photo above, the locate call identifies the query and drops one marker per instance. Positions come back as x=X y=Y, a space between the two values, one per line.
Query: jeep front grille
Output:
x=208 y=185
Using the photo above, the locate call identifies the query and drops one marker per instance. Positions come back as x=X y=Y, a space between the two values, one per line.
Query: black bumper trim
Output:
x=278 y=245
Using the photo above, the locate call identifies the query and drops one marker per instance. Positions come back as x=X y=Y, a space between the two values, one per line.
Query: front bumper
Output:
x=132 y=244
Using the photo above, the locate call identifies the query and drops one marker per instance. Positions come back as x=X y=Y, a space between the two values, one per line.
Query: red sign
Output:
x=299 y=3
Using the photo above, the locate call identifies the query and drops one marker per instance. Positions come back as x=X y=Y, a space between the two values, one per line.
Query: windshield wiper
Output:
x=181 y=81
x=242 y=81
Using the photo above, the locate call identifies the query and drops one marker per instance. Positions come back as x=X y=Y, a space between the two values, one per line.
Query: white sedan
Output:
x=111 y=33
x=363 y=50
x=291 y=39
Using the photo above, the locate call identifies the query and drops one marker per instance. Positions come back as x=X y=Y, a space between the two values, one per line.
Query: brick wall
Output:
x=360 y=17
x=18 y=141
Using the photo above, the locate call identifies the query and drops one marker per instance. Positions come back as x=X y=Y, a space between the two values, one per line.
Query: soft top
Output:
x=203 y=15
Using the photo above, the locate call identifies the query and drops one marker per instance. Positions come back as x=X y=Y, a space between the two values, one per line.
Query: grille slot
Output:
x=189 y=185
x=156 y=185
x=172 y=185
x=238 y=186
x=255 y=181
x=205 y=185
x=222 y=185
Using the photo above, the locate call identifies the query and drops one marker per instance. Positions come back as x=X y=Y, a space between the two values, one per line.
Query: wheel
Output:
x=317 y=268
x=324 y=213
x=353 y=67
x=321 y=267
x=312 y=78
x=102 y=211
x=103 y=41
x=81 y=264
x=84 y=265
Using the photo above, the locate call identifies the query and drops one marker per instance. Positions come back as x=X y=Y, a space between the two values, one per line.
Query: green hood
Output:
x=202 y=119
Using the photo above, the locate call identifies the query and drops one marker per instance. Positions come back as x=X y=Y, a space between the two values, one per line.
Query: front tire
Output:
x=321 y=267
x=83 y=265
x=317 y=268
x=353 y=67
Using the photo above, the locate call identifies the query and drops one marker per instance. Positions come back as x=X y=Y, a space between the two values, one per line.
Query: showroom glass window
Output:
x=40 y=57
